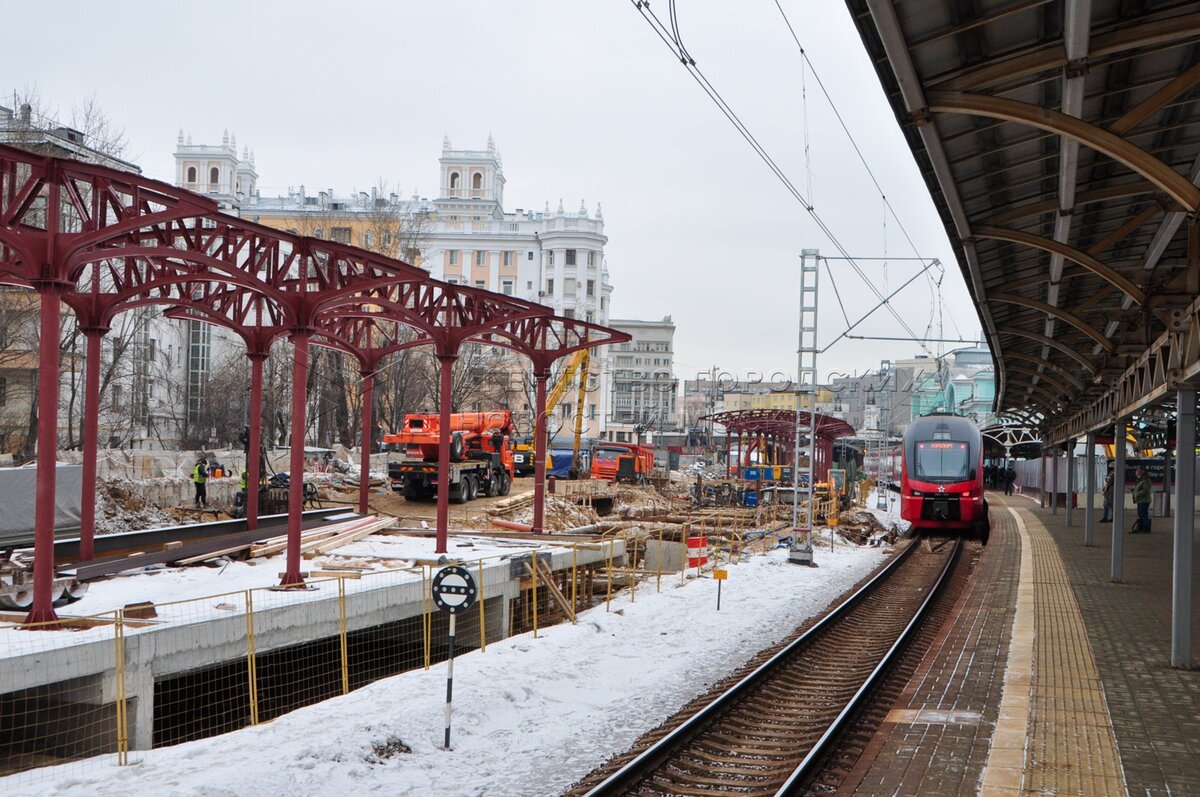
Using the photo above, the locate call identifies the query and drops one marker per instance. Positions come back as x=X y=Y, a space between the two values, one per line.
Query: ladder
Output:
x=801 y=548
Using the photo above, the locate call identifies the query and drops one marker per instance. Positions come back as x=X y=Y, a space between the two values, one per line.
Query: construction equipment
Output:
x=622 y=462
x=481 y=455
x=523 y=455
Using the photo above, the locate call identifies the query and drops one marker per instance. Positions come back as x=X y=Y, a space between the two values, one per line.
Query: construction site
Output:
x=177 y=595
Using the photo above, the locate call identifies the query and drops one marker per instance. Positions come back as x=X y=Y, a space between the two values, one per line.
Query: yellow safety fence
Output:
x=107 y=684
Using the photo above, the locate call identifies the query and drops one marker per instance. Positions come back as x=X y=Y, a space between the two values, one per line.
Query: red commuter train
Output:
x=941 y=477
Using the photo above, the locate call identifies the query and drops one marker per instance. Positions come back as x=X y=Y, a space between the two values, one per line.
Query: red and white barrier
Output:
x=697 y=551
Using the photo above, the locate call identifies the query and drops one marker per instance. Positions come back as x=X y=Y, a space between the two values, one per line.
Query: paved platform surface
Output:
x=1155 y=708
x=1052 y=679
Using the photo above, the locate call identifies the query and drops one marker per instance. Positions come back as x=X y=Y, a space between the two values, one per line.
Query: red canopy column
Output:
x=91 y=441
x=292 y=577
x=42 y=610
x=253 y=475
x=540 y=449
x=367 y=372
x=446 y=361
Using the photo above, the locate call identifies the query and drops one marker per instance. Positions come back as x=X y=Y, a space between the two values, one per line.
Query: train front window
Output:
x=941 y=461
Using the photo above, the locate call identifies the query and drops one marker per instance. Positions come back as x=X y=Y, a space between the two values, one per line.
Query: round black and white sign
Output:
x=454 y=589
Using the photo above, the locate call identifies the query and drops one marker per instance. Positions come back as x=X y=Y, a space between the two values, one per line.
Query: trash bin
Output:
x=1160 y=504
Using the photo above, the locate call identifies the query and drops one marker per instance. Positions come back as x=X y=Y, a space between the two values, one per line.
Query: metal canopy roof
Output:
x=1060 y=142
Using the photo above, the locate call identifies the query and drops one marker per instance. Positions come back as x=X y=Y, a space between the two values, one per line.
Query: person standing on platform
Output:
x=1010 y=478
x=1141 y=497
x=1108 y=497
x=200 y=479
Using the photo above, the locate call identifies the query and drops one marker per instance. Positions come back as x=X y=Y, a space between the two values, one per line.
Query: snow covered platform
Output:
x=204 y=626
x=578 y=692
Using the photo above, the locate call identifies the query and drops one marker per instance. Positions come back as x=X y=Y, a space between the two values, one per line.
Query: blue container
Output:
x=751 y=498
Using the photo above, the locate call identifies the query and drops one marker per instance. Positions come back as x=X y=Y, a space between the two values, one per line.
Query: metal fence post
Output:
x=119 y=687
x=341 y=582
x=534 y=568
x=482 y=619
x=251 y=659
x=574 y=581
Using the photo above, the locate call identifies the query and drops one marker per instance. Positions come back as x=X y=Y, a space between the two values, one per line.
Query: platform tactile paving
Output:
x=1071 y=747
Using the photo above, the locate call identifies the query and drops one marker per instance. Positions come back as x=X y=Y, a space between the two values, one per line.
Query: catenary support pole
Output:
x=91 y=442
x=541 y=449
x=445 y=401
x=42 y=610
x=1182 y=563
x=1118 y=503
x=368 y=421
x=253 y=474
x=296 y=460
x=1089 y=509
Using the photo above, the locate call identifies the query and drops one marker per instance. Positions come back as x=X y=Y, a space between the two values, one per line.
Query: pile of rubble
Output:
x=121 y=506
x=861 y=527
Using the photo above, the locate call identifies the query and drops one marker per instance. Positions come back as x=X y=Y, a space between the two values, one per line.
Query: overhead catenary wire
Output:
x=669 y=38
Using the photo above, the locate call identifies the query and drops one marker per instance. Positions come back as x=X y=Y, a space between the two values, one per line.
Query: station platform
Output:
x=1050 y=679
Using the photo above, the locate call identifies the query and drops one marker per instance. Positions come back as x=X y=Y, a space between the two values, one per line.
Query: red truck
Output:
x=481 y=457
x=622 y=462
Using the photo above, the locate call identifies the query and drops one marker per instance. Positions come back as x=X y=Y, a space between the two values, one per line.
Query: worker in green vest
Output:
x=200 y=479
x=245 y=479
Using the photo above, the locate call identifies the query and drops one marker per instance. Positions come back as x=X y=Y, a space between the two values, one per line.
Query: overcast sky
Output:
x=585 y=103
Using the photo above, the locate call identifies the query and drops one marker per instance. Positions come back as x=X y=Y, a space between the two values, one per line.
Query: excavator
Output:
x=523 y=453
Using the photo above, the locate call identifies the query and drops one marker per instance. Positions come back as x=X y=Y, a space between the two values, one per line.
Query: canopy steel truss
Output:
x=105 y=242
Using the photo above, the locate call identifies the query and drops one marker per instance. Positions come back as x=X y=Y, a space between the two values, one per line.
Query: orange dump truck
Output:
x=481 y=457
x=622 y=462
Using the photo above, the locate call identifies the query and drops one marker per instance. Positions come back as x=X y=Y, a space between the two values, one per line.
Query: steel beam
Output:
x=1161 y=174
x=1033 y=359
x=1058 y=345
x=1102 y=270
x=1060 y=314
x=1161 y=31
x=1156 y=101
x=42 y=610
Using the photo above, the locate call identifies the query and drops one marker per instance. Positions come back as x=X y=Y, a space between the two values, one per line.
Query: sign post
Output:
x=454 y=592
x=720 y=576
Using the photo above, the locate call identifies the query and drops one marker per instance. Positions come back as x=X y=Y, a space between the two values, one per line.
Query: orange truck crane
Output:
x=481 y=457
x=622 y=462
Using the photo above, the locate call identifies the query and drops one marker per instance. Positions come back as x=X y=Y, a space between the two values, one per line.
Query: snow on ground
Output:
x=186 y=588
x=531 y=716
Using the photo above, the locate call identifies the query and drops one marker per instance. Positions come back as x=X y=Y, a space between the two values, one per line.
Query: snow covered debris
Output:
x=531 y=716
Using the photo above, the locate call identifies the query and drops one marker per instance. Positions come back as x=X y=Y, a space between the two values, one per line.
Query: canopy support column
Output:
x=1070 y=494
x=445 y=399
x=541 y=448
x=1054 y=482
x=1183 y=556
x=254 y=444
x=292 y=576
x=42 y=610
x=91 y=442
x=1118 y=503
x=1089 y=510
x=368 y=422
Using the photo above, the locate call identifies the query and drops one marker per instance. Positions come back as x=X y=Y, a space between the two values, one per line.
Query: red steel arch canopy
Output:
x=775 y=430
x=106 y=241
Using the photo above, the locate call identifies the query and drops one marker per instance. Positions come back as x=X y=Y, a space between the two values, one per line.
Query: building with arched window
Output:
x=463 y=235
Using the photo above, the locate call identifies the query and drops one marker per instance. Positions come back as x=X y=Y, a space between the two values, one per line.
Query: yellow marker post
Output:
x=719 y=576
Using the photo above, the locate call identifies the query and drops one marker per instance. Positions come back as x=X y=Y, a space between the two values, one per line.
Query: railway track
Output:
x=766 y=734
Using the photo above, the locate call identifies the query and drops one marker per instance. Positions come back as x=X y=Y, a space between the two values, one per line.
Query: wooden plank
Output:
x=324 y=546
x=546 y=580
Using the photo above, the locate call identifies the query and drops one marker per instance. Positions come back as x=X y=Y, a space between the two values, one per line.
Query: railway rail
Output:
x=767 y=734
